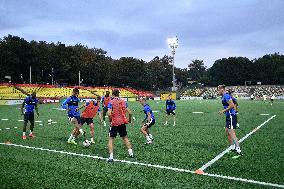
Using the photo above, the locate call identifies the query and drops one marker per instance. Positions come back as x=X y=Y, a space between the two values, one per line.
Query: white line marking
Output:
x=263 y=114
x=4 y=119
x=197 y=112
x=0 y=129
x=244 y=180
x=40 y=124
x=208 y=164
x=155 y=111
x=7 y=128
x=54 y=122
x=15 y=127
x=61 y=109
x=20 y=120
x=38 y=121
x=147 y=165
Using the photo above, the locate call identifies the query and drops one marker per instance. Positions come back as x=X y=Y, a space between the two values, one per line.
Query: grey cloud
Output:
x=206 y=29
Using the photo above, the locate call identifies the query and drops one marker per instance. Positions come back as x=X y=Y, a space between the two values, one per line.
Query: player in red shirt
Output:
x=117 y=109
x=91 y=110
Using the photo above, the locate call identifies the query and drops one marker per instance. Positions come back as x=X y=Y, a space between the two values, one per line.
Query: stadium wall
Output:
x=11 y=102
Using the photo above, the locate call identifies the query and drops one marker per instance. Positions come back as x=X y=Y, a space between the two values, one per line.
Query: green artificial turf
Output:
x=196 y=139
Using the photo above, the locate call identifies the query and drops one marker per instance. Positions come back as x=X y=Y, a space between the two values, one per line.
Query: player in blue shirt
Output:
x=170 y=109
x=231 y=119
x=235 y=104
x=105 y=100
x=71 y=104
x=148 y=121
x=30 y=104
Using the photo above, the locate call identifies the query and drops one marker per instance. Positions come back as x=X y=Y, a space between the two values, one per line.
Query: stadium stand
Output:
x=193 y=92
x=241 y=91
x=8 y=91
x=269 y=91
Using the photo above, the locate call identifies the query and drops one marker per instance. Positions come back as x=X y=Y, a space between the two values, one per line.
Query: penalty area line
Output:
x=212 y=161
x=146 y=165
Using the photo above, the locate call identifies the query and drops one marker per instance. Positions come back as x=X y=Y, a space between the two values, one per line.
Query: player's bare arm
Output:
x=231 y=106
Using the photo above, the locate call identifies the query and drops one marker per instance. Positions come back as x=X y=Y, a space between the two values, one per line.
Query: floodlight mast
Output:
x=173 y=44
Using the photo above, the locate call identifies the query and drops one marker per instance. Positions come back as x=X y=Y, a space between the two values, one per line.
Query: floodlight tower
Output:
x=173 y=44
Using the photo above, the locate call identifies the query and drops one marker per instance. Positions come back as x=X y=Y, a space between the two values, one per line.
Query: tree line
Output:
x=99 y=69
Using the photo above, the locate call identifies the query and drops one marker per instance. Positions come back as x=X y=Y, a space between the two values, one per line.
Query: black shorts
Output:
x=121 y=129
x=105 y=108
x=169 y=112
x=231 y=122
x=78 y=118
x=86 y=120
x=152 y=122
x=29 y=117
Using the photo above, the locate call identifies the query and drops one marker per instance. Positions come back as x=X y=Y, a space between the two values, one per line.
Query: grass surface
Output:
x=195 y=140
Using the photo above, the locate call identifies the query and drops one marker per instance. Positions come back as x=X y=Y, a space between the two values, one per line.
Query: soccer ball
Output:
x=86 y=143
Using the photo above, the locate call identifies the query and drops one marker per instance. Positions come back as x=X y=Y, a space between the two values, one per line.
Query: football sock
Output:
x=24 y=133
x=148 y=138
x=111 y=156
x=81 y=131
x=130 y=152
x=71 y=137
x=233 y=146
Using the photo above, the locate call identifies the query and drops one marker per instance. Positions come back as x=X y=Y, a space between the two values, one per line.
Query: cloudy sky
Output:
x=207 y=29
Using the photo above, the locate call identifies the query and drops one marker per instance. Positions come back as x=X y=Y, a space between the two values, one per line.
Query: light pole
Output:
x=173 y=44
x=52 y=76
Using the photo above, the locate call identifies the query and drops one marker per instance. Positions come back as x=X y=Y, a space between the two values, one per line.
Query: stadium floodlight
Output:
x=173 y=44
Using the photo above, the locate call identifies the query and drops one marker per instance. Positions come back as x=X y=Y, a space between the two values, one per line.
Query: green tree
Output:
x=196 y=70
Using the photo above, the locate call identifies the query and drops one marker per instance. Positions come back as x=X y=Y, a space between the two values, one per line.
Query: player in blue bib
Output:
x=71 y=104
x=170 y=109
x=231 y=119
x=30 y=104
x=148 y=122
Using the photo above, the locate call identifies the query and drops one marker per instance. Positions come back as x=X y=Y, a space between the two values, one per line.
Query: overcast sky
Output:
x=207 y=29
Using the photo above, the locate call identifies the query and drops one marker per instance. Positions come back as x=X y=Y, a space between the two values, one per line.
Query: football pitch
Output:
x=197 y=141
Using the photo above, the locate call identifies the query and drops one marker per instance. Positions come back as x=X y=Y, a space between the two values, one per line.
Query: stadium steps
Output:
x=203 y=91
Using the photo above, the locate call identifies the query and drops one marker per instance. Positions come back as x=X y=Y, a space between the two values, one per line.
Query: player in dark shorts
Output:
x=170 y=110
x=148 y=122
x=30 y=104
x=231 y=119
x=90 y=112
x=117 y=109
x=71 y=104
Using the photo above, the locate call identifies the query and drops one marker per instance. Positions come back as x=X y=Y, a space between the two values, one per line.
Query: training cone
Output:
x=199 y=172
